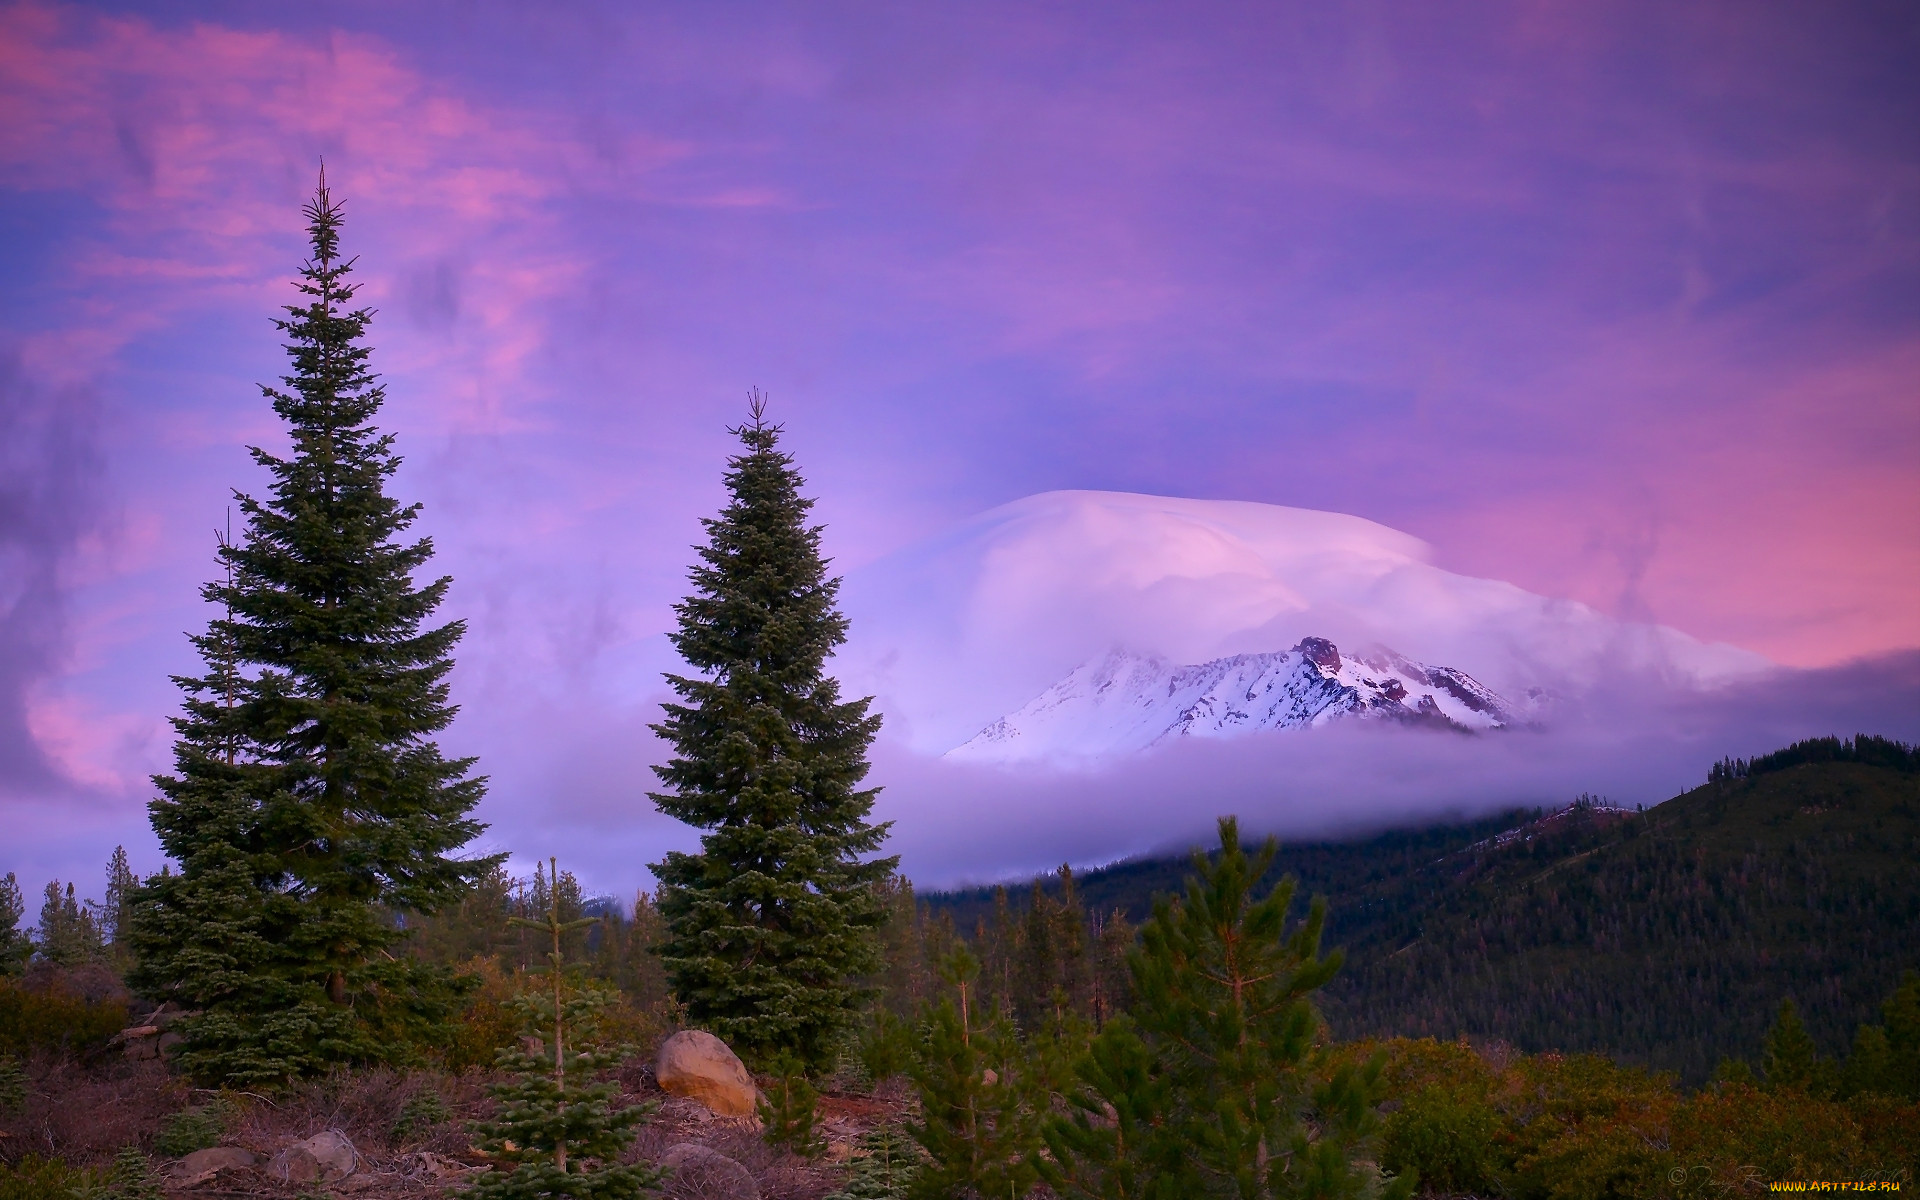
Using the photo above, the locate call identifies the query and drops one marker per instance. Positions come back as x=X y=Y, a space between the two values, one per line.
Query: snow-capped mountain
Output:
x=969 y=624
x=1127 y=702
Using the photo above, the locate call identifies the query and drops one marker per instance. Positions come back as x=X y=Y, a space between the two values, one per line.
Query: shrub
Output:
x=131 y=1177
x=1889 y=1136
x=34 y=1178
x=192 y=1129
x=1736 y=1130
x=53 y=1019
x=1448 y=1137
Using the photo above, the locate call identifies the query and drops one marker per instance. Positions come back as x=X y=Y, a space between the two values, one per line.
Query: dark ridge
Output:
x=1862 y=748
x=1665 y=938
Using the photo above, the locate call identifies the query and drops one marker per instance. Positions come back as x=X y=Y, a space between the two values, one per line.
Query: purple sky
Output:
x=1618 y=302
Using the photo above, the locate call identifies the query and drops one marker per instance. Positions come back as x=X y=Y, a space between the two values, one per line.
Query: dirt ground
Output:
x=85 y=1113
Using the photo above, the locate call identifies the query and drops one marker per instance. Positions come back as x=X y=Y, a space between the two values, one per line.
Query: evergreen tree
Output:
x=475 y=927
x=1114 y=1144
x=1221 y=1072
x=309 y=802
x=1900 y=1015
x=788 y=1110
x=638 y=971
x=977 y=1099
x=1867 y=1066
x=68 y=934
x=1075 y=979
x=905 y=984
x=883 y=1168
x=1114 y=940
x=556 y=1133
x=131 y=1177
x=15 y=946
x=1036 y=973
x=121 y=884
x=1789 y=1060
x=774 y=922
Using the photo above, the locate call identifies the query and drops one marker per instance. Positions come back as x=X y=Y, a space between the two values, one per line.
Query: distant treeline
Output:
x=1864 y=748
x=1666 y=938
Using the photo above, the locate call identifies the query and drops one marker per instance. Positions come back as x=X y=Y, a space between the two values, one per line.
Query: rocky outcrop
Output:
x=694 y=1170
x=153 y=1035
x=699 y=1066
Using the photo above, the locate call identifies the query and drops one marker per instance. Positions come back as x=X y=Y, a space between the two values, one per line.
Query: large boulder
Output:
x=325 y=1157
x=202 y=1165
x=700 y=1067
x=694 y=1170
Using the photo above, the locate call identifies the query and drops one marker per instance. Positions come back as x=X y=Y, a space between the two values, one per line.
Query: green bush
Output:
x=192 y=1129
x=1448 y=1136
x=52 y=1019
x=34 y=1178
x=131 y=1177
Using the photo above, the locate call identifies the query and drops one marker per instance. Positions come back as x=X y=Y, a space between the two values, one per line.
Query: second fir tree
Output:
x=773 y=923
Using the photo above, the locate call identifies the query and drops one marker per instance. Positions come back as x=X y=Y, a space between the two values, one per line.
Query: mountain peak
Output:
x=1125 y=702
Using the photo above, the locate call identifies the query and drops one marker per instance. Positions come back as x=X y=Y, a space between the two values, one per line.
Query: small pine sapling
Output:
x=883 y=1166
x=192 y=1129
x=788 y=1109
x=420 y=1115
x=977 y=1121
x=557 y=1133
x=131 y=1177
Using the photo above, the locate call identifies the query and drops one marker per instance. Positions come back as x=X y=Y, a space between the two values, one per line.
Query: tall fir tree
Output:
x=309 y=802
x=771 y=927
x=121 y=884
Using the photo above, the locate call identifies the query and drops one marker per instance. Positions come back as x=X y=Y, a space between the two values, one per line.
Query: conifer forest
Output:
x=330 y=990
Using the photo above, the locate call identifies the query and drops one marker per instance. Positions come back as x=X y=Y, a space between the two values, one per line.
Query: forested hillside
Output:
x=1666 y=937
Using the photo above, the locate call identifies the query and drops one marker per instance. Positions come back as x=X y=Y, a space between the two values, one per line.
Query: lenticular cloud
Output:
x=959 y=631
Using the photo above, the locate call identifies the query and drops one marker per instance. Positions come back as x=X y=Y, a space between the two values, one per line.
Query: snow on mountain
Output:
x=1125 y=702
x=970 y=624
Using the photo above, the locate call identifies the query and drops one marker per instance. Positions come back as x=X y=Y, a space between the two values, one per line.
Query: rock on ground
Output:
x=202 y=1165
x=696 y=1171
x=700 y=1066
x=325 y=1157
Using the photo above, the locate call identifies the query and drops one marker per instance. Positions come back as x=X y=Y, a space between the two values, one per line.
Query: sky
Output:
x=1615 y=302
